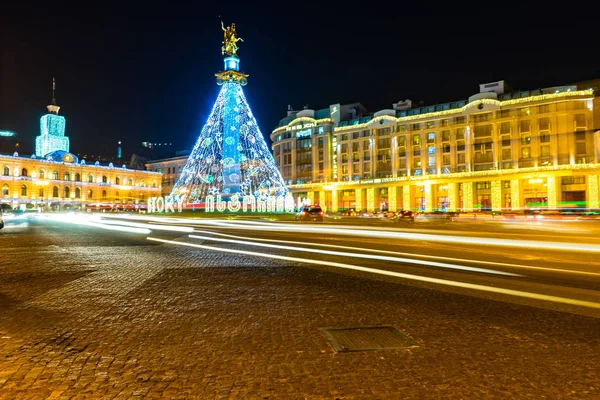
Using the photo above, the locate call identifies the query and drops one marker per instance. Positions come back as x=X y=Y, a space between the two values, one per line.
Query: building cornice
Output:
x=497 y=103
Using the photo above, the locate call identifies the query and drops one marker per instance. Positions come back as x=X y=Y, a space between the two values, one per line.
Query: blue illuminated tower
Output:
x=231 y=156
x=52 y=130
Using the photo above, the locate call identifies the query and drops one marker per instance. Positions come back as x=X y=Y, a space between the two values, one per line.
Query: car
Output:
x=1 y=219
x=405 y=217
x=310 y=213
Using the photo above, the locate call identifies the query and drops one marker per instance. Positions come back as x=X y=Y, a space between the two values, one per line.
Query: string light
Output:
x=230 y=157
x=543 y=97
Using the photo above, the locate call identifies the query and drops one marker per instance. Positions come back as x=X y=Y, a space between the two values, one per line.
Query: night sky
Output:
x=138 y=72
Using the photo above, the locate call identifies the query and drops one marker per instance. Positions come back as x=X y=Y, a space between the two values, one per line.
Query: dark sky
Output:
x=134 y=72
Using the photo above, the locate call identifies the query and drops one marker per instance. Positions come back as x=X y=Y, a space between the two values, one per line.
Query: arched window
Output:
x=24 y=172
x=55 y=175
x=104 y=194
x=77 y=193
x=41 y=193
x=104 y=179
x=153 y=184
x=142 y=184
x=90 y=194
x=117 y=197
x=67 y=176
x=130 y=182
x=24 y=189
x=117 y=181
x=5 y=190
x=6 y=171
x=42 y=174
x=67 y=192
x=55 y=191
x=91 y=178
x=77 y=178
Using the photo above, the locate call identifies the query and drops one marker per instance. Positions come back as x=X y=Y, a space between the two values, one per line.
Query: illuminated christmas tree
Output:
x=231 y=157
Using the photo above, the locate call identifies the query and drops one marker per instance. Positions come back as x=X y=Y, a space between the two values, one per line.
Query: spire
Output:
x=52 y=107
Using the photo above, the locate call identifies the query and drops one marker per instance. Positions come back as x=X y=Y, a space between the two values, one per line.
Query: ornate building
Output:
x=55 y=178
x=497 y=150
x=62 y=181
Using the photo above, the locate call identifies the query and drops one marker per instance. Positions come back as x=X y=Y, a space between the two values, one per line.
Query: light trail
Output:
x=93 y=221
x=161 y=227
x=395 y=253
x=367 y=256
x=383 y=233
x=491 y=289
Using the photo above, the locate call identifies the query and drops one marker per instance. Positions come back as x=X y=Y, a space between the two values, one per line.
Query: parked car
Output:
x=405 y=217
x=310 y=213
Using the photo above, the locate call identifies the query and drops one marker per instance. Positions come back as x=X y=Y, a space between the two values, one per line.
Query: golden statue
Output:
x=230 y=40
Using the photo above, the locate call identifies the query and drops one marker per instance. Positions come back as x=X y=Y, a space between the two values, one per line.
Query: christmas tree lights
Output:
x=230 y=158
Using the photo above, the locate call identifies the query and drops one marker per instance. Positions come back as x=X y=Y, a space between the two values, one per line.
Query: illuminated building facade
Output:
x=170 y=168
x=497 y=150
x=61 y=180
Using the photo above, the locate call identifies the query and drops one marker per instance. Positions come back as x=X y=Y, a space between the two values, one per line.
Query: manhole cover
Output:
x=367 y=338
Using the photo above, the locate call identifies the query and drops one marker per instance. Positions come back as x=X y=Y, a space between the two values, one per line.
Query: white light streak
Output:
x=491 y=289
x=396 y=253
x=367 y=256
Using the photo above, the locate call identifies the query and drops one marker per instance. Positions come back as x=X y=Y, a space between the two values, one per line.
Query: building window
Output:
x=104 y=179
x=545 y=151
x=525 y=126
x=24 y=172
x=573 y=180
x=431 y=137
x=130 y=182
x=41 y=193
x=416 y=140
x=67 y=192
x=77 y=193
x=90 y=194
x=5 y=190
x=431 y=150
x=543 y=109
x=526 y=140
x=55 y=191
x=505 y=139
x=67 y=176
x=460 y=145
x=90 y=178
x=42 y=174
x=24 y=189
x=117 y=197
x=77 y=178
x=506 y=154
x=525 y=152
x=104 y=194
x=6 y=171
x=117 y=181
x=544 y=137
x=431 y=161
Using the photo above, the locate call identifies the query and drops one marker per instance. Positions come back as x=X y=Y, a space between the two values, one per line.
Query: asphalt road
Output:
x=236 y=309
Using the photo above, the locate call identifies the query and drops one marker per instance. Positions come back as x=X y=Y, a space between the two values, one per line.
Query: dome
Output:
x=61 y=155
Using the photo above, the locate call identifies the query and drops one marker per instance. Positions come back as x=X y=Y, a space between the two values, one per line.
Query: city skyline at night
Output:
x=147 y=78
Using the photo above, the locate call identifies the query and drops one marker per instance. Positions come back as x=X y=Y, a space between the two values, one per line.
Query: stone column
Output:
x=334 y=201
x=592 y=189
x=497 y=195
x=468 y=196
x=515 y=194
x=358 y=198
x=552 y=192
x=428 y=197
x=452 y=196
x=370 y=199
x=407 y=200
x=392 y=201
x=322 y=199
